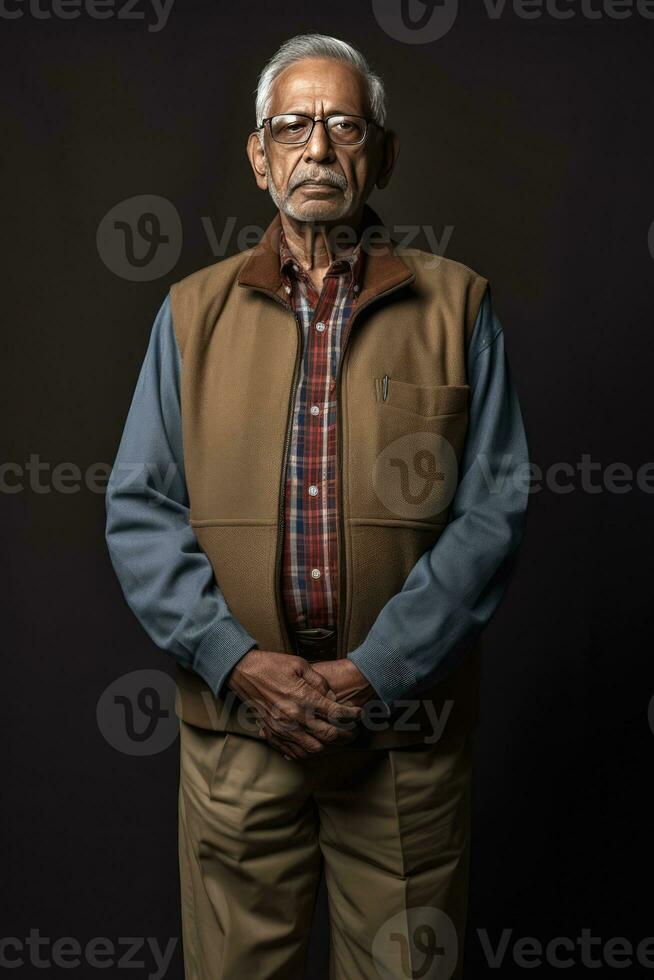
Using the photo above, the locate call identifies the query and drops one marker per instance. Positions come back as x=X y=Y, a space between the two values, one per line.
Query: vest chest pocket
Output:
x=407 y=459
x=427 y=401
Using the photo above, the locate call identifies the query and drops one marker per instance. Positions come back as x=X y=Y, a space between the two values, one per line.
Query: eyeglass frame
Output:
x=314 y=120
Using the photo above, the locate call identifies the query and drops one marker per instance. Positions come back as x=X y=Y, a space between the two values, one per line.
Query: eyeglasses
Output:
x=293 y=128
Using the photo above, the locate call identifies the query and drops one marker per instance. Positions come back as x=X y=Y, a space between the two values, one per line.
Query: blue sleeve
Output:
x=166 y=578
x=454 y=589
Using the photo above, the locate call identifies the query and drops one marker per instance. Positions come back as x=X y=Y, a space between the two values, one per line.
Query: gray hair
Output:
x=319 y=46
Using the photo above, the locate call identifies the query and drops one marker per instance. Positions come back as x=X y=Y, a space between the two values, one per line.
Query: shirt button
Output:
x=313 y=490
x=315 y=573
x=357 y=288
x=320 y=326
x=315 y=409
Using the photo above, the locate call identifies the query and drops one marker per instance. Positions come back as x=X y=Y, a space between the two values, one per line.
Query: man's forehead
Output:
x=334 y=83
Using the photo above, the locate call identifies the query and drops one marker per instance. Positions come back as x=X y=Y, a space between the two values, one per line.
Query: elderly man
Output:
x=314 y=508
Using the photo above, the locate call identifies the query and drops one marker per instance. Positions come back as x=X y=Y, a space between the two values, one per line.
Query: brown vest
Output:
x=241 y=346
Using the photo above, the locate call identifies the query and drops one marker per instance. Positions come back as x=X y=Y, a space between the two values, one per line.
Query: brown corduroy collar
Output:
x=383 y=269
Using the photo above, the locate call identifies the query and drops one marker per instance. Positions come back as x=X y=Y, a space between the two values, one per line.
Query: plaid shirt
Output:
x=309 y=561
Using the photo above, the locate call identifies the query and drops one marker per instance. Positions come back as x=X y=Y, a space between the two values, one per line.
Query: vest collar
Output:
x=383 y=269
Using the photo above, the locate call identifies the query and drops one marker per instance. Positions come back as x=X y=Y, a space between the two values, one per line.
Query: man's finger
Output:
x=291 y=732
x=330 y=734
x=295 y=735
x=276 y=743
x=333 y=711
x=316 y=679
x=298 y=746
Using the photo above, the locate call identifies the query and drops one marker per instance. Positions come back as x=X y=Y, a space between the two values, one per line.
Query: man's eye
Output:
x=292 y=128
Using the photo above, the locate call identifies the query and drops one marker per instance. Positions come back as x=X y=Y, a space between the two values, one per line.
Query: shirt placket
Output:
x=311 y=492
x=319 y=444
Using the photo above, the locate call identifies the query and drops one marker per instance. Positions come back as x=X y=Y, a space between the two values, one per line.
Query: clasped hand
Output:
x=301 y=708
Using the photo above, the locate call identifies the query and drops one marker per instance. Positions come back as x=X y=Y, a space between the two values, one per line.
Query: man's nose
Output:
x=319 y=147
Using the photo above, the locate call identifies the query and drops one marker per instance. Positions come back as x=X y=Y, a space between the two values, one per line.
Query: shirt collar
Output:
x=351 y=265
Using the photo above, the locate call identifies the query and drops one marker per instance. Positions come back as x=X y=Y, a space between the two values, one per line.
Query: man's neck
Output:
x=315 y=245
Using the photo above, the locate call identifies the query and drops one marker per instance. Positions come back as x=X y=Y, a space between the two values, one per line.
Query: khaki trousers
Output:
x=391 y=826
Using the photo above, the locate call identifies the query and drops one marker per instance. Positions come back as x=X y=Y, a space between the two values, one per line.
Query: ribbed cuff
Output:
x=387 y=670
x=220 y=650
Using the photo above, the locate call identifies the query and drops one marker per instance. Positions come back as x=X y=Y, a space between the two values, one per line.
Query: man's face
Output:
x=319 y=180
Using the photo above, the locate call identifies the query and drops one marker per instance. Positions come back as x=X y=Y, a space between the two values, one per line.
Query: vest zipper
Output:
x=340 y=652
x=281 y=516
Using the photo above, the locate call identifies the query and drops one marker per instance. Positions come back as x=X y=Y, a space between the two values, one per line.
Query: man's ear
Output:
x=257 y=157
x=389 y=153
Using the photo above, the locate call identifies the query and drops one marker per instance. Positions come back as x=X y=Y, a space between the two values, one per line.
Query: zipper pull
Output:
x=385 y=380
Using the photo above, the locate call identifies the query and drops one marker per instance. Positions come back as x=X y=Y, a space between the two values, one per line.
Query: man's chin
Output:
x=317 y=210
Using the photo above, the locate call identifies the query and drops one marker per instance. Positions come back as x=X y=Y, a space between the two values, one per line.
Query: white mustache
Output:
x=323 y=176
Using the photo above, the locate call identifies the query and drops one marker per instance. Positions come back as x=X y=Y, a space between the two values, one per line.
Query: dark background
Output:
x=533 y=139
